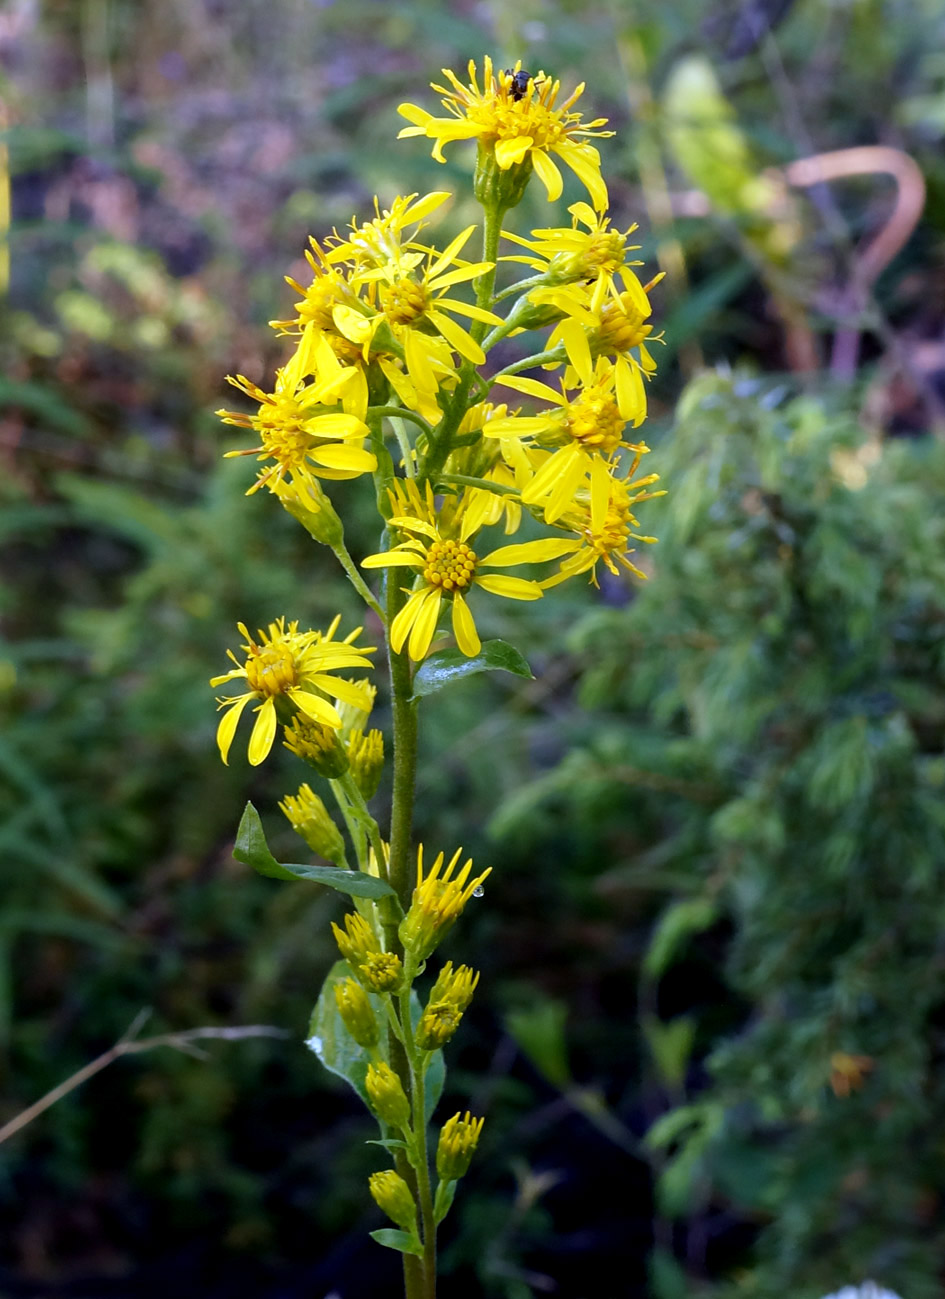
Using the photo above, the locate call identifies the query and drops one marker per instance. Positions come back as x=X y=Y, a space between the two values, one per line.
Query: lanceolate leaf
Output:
x=251 y=849
x=446 y=666
x=338 y=1051
x=400 y=1240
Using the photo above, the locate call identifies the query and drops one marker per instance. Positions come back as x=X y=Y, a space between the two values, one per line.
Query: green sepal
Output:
x=399 y=1240
x=251 y=849
x=446 y=666
x=443 y=1202
x=389 y=1143
x=341 y=1055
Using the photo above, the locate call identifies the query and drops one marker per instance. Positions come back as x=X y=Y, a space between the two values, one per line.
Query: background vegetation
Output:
x=709 y=1033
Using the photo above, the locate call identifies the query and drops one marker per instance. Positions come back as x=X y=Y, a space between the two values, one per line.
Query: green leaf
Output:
x=341 y=1055
x=445 y=1194
x=251 y=849
x=446 y=666
x=399 y=1240
x=670 y=1045
x=539 y=1032
x=678 y=923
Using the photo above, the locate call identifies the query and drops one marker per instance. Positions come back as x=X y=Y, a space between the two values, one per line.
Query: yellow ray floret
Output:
x=448 y=568
x=516 y=125
x=293 y=669
x=302 y=438
x=438 y=901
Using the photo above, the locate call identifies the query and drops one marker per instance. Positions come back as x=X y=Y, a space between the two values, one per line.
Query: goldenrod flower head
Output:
x=293 y=669
x=357 y=1013
x=303 y=439
x=357 y=941
x=329 y=289
x=449 y=998
x=318 y=745
x=586 y=430
x=448 y=567
x=381 y=241
x=308 y=817
x=515 y=126
x=562 y=255
x=438 y=901
x=459 y=1137
x=605 y=524
x=366 y=759
x=386 y=1095
x=382 y=971
x=392 y=1194
x=454 y=986
x=307 y=503
x=437 y=1025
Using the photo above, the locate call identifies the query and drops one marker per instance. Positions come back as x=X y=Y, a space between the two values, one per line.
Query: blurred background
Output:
x=710 y=1028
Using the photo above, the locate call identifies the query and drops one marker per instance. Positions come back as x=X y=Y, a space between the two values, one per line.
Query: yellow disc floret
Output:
x=450 y=565
x=595 y=421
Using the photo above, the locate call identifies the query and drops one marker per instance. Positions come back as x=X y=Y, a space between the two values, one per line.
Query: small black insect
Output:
x=518 y=86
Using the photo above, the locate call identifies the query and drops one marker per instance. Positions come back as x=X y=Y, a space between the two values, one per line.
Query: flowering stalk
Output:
x=388 y=379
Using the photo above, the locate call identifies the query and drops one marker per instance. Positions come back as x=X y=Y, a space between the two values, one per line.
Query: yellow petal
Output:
x=578 y=350
x=457 y=337
x=424 y=625
x=418 y=363
x=548 y=174
x=584 y=161
x=531 y=386
x=464 y=629
x=600 y=494
x=528 y=552
x=356 y=459
x=513 y=588
x=514 y=150
x=546 y=478
x=393 y=559
x=227 y=728
x=314 y=706
x=403 y=622
x=264 y=732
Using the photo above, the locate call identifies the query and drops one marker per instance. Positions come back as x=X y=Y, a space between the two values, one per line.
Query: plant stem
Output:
x=362 y=816
x=418 y=1110
x=356 y=580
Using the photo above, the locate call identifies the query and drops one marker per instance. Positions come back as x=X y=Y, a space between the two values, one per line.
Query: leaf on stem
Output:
x=399 y=1240
x=446 y=666
x=251 y=849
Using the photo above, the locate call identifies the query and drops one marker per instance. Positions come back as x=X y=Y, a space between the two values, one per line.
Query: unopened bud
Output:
x=309 y=504
x=459 y=1137
x=317 y=745
x=497 y=187
x=366 y=757
x=392 y=1194
x=308 y=816
x=357 y=941
x=437 y=1025
x=357 y=1013
x=382 y=972
x=386 y=1094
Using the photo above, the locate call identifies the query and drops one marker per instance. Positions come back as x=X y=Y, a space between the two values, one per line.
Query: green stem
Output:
x=484 y=484
x=441 y=444
x=399 y=413
x=363 y=817
x=356 y=580
x=529 y=363
x=352 y=821
x=418 y=1110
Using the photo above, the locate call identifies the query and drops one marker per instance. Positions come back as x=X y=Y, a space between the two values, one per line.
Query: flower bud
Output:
x=455 y=986
x=392 y=1194
x=437 y=1025
x=309 y=504
x=437 y=902
x=357 y=1013
x=459 y=1137
x=387 y=1097
x=352 y=717
x=366 y=756
x=497 y=187
x=356 y=941
x=317 y=745
x=308 y=816
x=382 y=972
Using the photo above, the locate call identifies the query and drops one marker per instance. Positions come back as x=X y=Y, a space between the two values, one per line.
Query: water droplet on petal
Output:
x=479 y=891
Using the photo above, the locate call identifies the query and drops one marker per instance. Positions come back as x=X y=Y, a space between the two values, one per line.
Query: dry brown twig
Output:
x=130 y=1044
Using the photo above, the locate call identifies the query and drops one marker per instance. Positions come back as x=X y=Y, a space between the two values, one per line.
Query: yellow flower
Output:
x=515 y=126
x=304 y=440
x=380 y=241
x=448 y=566
x=563 y=255
x=294 y=669
x=606 y=527
x=438 y=901
x=459 y=1137
x=586 y=432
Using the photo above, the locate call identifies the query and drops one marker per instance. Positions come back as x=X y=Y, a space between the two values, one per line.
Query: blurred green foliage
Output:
x=711 y=953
